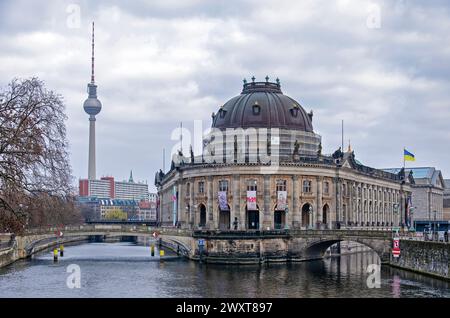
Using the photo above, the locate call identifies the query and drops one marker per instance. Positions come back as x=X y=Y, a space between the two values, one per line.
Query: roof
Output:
x=423 y=175
x=262 y=105
x=117 y=202
x=447 y=183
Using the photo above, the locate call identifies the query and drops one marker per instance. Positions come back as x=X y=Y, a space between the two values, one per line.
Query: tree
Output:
x=35 y=174
x=116 y=214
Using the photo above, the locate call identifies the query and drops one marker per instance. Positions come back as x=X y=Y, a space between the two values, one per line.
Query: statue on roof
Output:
x=296 y=148
x=192 y=154
x=338 y=154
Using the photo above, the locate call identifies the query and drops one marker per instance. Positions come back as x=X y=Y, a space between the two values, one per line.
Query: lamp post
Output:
x=310 y=217
x=434 y=227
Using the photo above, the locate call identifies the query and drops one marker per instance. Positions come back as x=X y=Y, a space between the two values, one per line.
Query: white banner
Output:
x=223 y=202
x=281 y=200
x=251 y=200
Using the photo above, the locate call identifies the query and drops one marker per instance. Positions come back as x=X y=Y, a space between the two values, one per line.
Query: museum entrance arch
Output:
x=325 y=215
x=252 y=218
x=224 y=219
x=202 y=208
x=279 y=219
x=306 y=217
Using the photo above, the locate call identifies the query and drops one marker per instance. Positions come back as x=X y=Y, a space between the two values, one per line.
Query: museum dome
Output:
x=262 y=105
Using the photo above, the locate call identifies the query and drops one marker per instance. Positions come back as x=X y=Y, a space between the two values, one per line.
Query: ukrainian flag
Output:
x=408 y=156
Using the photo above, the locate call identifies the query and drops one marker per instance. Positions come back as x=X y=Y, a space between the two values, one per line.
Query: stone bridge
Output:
x=294 y=245
x=220 y=246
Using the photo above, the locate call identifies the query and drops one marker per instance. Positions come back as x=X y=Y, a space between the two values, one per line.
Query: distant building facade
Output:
x=130 y=207
x=427 y=193
x=446 y=204
x=108 y=188
x=147 y=210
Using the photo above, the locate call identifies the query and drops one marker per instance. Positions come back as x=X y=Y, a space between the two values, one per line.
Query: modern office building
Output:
x=108 y=188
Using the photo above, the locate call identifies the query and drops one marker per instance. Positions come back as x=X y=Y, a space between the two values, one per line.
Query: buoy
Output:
x=61 y=250
x=161 y=254
x=152 y=249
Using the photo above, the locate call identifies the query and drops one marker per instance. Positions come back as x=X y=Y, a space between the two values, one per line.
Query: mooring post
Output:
x=55 y=255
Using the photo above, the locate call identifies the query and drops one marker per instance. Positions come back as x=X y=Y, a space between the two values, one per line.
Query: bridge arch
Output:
x=316 y=249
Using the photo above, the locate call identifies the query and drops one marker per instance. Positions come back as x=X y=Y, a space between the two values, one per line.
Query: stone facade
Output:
x=431 y=258
x=263 y=141
x=446 y=205
x=341 y=197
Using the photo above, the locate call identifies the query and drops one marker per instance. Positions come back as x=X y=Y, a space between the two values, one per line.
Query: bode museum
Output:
x=262 y=168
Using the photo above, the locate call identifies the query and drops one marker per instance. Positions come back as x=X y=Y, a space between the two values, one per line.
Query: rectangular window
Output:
x=188 y=189
x=223 y=185
x=201 y=187
x=251 y=185
x=326 y=187
x=281 y=185
x=307 y=186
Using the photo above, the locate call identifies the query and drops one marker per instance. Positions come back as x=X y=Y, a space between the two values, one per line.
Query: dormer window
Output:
x=294 y=110
x=222 y=112
x=256 y=109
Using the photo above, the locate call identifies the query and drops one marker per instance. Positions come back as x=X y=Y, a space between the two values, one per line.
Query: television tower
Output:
x=92 y=106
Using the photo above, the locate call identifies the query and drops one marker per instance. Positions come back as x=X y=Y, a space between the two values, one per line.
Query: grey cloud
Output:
x=162 y=62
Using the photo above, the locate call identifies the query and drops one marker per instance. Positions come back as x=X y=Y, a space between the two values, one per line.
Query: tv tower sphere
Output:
x=92 y=105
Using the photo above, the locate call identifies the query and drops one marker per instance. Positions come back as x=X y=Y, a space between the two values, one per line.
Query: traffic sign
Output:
x=201 y=242
x=155 y=234
x=396 y=247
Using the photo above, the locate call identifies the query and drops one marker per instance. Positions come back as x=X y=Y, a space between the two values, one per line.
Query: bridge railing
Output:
x=108 y=228
x=290 y=233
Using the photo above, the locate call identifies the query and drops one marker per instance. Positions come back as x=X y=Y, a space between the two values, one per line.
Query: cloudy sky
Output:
x=381 y=66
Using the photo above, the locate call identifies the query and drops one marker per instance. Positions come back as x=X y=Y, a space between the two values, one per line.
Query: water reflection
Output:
x=127 y=270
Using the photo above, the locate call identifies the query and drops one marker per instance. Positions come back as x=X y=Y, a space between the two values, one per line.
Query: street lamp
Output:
x=310 y=217
x=434 y=227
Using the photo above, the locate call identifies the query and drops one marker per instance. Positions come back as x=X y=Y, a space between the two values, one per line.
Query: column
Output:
x=295 y=213
x=236 y=202
x=209 y=209
x=319 y=216
x=351 y=209
x=192 y=209
x=267 y=213
x=337 y=187
x=180 y=204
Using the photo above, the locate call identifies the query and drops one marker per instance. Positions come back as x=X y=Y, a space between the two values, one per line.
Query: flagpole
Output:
x=404 y=161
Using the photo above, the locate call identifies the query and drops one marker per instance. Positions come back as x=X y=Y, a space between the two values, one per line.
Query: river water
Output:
x=128 y=270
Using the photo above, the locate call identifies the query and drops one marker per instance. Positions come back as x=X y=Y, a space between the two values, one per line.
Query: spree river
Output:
x=128 y=270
